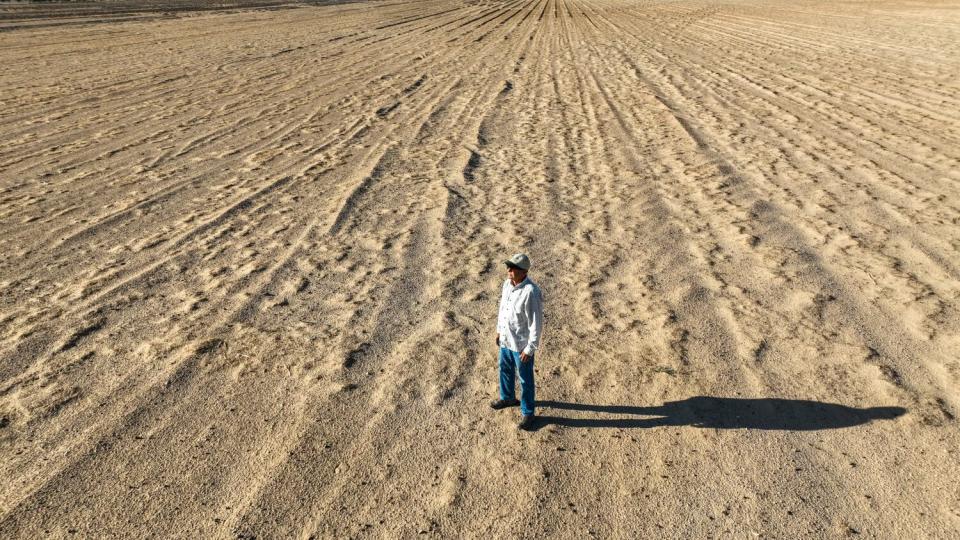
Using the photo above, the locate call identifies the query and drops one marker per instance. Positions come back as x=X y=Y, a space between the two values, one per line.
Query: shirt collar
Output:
x=518 y=285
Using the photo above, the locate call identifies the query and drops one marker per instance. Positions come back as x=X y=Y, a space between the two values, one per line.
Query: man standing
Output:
x=519 y=327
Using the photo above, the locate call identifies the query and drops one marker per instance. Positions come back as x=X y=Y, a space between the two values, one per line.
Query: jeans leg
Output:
x=507 y=371
x=527 y=387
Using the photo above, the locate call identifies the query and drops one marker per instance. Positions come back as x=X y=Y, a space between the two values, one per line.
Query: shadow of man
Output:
x=723 y=413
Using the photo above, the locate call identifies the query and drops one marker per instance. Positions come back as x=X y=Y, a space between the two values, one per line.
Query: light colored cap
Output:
x=520 y=260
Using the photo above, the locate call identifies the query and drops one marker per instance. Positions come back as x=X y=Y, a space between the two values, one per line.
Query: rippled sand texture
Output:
x=250 y=270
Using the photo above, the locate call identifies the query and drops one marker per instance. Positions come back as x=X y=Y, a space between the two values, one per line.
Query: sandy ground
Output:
x=250 y=270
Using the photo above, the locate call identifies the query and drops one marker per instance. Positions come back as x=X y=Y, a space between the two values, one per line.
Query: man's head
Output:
x=517 y=267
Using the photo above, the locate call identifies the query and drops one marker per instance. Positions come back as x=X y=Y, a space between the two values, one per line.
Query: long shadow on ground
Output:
x=722 y=413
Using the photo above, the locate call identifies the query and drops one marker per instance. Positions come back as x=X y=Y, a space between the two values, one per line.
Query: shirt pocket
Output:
x=517 y=315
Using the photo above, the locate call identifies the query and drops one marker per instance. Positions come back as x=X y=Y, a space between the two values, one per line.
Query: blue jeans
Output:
x=509 y=364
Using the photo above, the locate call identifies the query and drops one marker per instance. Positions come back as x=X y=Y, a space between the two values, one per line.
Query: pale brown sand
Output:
x=250 y=270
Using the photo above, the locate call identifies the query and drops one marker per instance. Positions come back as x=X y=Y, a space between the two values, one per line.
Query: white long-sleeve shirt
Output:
x=520 y=319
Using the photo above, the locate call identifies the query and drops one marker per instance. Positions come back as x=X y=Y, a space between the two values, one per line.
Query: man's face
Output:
x=516 y=274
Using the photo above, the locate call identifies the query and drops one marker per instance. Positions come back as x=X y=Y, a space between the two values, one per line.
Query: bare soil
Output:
x=251 y=265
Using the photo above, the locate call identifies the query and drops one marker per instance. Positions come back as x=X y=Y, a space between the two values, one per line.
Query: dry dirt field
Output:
x=251 y=265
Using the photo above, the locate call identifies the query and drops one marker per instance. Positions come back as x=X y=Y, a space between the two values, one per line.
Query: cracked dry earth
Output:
x=251 y=269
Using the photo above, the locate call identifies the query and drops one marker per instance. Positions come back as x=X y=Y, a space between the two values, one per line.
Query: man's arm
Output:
x=535 y=316
x=499 y=307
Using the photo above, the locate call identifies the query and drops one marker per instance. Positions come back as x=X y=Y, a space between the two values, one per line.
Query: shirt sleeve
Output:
x=503 y=289
x=535 y=317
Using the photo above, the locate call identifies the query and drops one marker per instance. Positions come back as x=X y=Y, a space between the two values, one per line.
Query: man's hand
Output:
x=498 y=340
x=524 y=357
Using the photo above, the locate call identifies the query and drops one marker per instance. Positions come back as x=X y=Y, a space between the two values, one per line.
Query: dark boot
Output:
x=503 y=403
